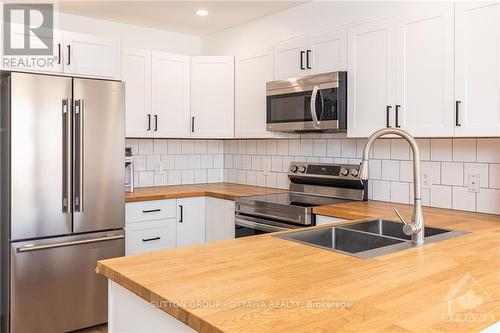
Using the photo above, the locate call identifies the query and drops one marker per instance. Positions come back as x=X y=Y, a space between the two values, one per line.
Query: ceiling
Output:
x=178 y=16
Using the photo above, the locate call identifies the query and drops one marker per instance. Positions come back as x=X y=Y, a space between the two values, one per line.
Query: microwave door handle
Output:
x=313 y=107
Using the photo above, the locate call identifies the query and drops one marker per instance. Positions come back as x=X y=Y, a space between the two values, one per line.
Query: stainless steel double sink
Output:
x=366 y=239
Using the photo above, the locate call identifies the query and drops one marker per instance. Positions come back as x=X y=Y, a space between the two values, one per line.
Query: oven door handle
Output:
x=258 y=226
x=313 y=106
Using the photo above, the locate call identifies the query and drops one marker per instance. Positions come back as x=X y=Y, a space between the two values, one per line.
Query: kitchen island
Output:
x=267 y=284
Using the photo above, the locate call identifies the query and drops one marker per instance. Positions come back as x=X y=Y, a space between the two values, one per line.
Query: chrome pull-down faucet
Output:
x=415 y=228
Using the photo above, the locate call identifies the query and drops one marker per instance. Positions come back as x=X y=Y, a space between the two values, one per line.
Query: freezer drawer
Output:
x=54 y=287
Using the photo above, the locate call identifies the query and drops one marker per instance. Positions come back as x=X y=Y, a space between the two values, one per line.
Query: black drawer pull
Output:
x=457 y=114
x=302 y=60
x=387 y=115
x=397 y=116
x=152 y=211
x=151 y=239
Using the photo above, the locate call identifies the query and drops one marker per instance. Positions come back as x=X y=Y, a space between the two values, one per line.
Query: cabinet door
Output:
x=190 y=221
x=229 y=219
x=328 y=51
x=212 y=97
x=150 y=236
x=477 y=68
x=91 y=55
x=136 y=73
x=371 y=81
x=290 y=58
x=170 y=95
x=424 y=88
x=252 y=72
x=215 y=219
x=44 y=63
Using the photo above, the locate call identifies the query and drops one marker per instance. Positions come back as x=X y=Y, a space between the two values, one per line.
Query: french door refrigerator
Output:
x=62 y=198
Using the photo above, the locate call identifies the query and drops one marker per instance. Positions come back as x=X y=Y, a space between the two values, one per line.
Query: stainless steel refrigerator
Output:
x=62 y=198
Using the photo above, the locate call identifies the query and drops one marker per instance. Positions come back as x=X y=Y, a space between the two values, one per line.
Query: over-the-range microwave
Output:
x=309 y=103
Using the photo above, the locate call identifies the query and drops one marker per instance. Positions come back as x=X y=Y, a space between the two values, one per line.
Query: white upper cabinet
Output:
x=328 y=51
x=212 y=97
x=252 y=71
x=424 y=86
x=136 y=73
x=91 y=55
x=477 y=69
x=311 y=54
x=170 y=95
x=371 y=76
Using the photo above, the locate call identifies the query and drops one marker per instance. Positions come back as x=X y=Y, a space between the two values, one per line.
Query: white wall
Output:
x=132 y=35
x=311 y=17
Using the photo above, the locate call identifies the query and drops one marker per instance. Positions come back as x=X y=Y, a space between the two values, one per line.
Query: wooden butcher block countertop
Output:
x=267 y=284
x=217 y=190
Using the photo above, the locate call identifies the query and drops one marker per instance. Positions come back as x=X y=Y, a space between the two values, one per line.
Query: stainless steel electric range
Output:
x=311 y=185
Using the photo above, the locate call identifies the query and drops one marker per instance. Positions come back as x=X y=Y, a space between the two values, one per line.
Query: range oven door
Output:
x=250 y=226
x=307 y=108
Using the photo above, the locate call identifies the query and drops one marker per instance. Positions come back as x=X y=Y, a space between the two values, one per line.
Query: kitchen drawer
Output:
x=150 y=210
x=321 y=219
x=150 y=236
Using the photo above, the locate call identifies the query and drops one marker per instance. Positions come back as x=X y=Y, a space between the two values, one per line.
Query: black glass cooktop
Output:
x=296 y=199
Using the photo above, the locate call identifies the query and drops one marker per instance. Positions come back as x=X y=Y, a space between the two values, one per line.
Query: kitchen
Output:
x=238 y=119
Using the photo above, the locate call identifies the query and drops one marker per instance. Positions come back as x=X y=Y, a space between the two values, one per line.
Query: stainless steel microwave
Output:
x=309 y=103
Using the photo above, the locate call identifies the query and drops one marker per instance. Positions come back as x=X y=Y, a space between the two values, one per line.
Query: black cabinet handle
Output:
x=152 y=211
x=387 y=120
x=457 y=113
x=59 y=53
x=156 y=123
x=302 y=60
x=69 y=55
x=192 y=124
x=181 y=217
x=149 y=122
x=308 y=52
x=397 y=116
x=151 y=239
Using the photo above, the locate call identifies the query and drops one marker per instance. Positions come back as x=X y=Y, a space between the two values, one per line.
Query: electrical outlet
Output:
x=426 y=180
x=473 y=182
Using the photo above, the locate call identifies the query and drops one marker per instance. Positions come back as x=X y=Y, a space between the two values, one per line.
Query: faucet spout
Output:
x=417 y=221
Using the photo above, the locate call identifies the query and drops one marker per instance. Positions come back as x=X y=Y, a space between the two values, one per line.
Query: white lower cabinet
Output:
x=322 y=219
x=219 y=219
x=163 y=224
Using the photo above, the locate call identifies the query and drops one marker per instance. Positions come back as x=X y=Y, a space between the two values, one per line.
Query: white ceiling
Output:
x=178 y=16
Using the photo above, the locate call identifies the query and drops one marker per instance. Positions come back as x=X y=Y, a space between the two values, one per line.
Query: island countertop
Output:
x=217 y=190
x=267 y=284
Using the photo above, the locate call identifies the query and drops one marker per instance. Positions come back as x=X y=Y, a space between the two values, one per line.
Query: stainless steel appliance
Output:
x=309 y=103
x=311 y=185
x=129 y=170
x=62 y=201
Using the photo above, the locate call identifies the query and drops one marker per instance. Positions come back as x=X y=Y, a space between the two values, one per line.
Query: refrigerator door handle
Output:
x=78 y=146
x=28 y=248
x=66 y=153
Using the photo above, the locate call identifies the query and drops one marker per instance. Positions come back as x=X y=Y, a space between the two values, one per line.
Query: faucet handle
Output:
x=408 y=228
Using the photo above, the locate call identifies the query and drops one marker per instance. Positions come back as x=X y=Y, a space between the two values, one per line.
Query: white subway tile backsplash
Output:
x=306 y=147
x=214 y=175
x=375 y=169
x=181 y=162
x=441 y=150
x=287 y=160
x=246 y=162
x=488 y=150
x=233 y=147
x=160 y=178
x=134 y=144
x=228 y=161
x=194 y=162
x=282 y=147
x=452 y=173
x=433 y=170
x=251 y=147
x=174 y=147
x=441 y=196
x=200 y=146
x=406 y=171
x=200 y=176
x=271 y=147
x=174 y=177
x=294 y=147
x=251 y=177
x=495 y=176
x=146 y=178
x=261 y=147
x=382 y=149
x=167 y=162
x=187 y=176
x=400 y=149
x=424 y=146
x=153 y=163
x=463 y=199
x=271 y=180
x=242 y=177
x=256 y=163
x=313 y=159
x=464 y=150
x=319 y=147
x=326 y=160
x=187 y=146
x=341 y=160
x=381 y=190
x=400 y=192
x=237 y=161
x=242 y=146
x=360 y=145
x=146 y=146
x=160 y=146
x=480 y=169
x=488 y=201
x=213 y=147
x=349 y=148
x=333 y=148
x=139 y=162
x=282 y=180
x=390 y=170
x=206 y=161
x=219 y=161
x=260 y=179
x=277 y=163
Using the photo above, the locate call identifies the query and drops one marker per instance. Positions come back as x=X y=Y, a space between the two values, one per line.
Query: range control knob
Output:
x=354 y=172
x=293 y=168
x=302 y=169
x=344 y=172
